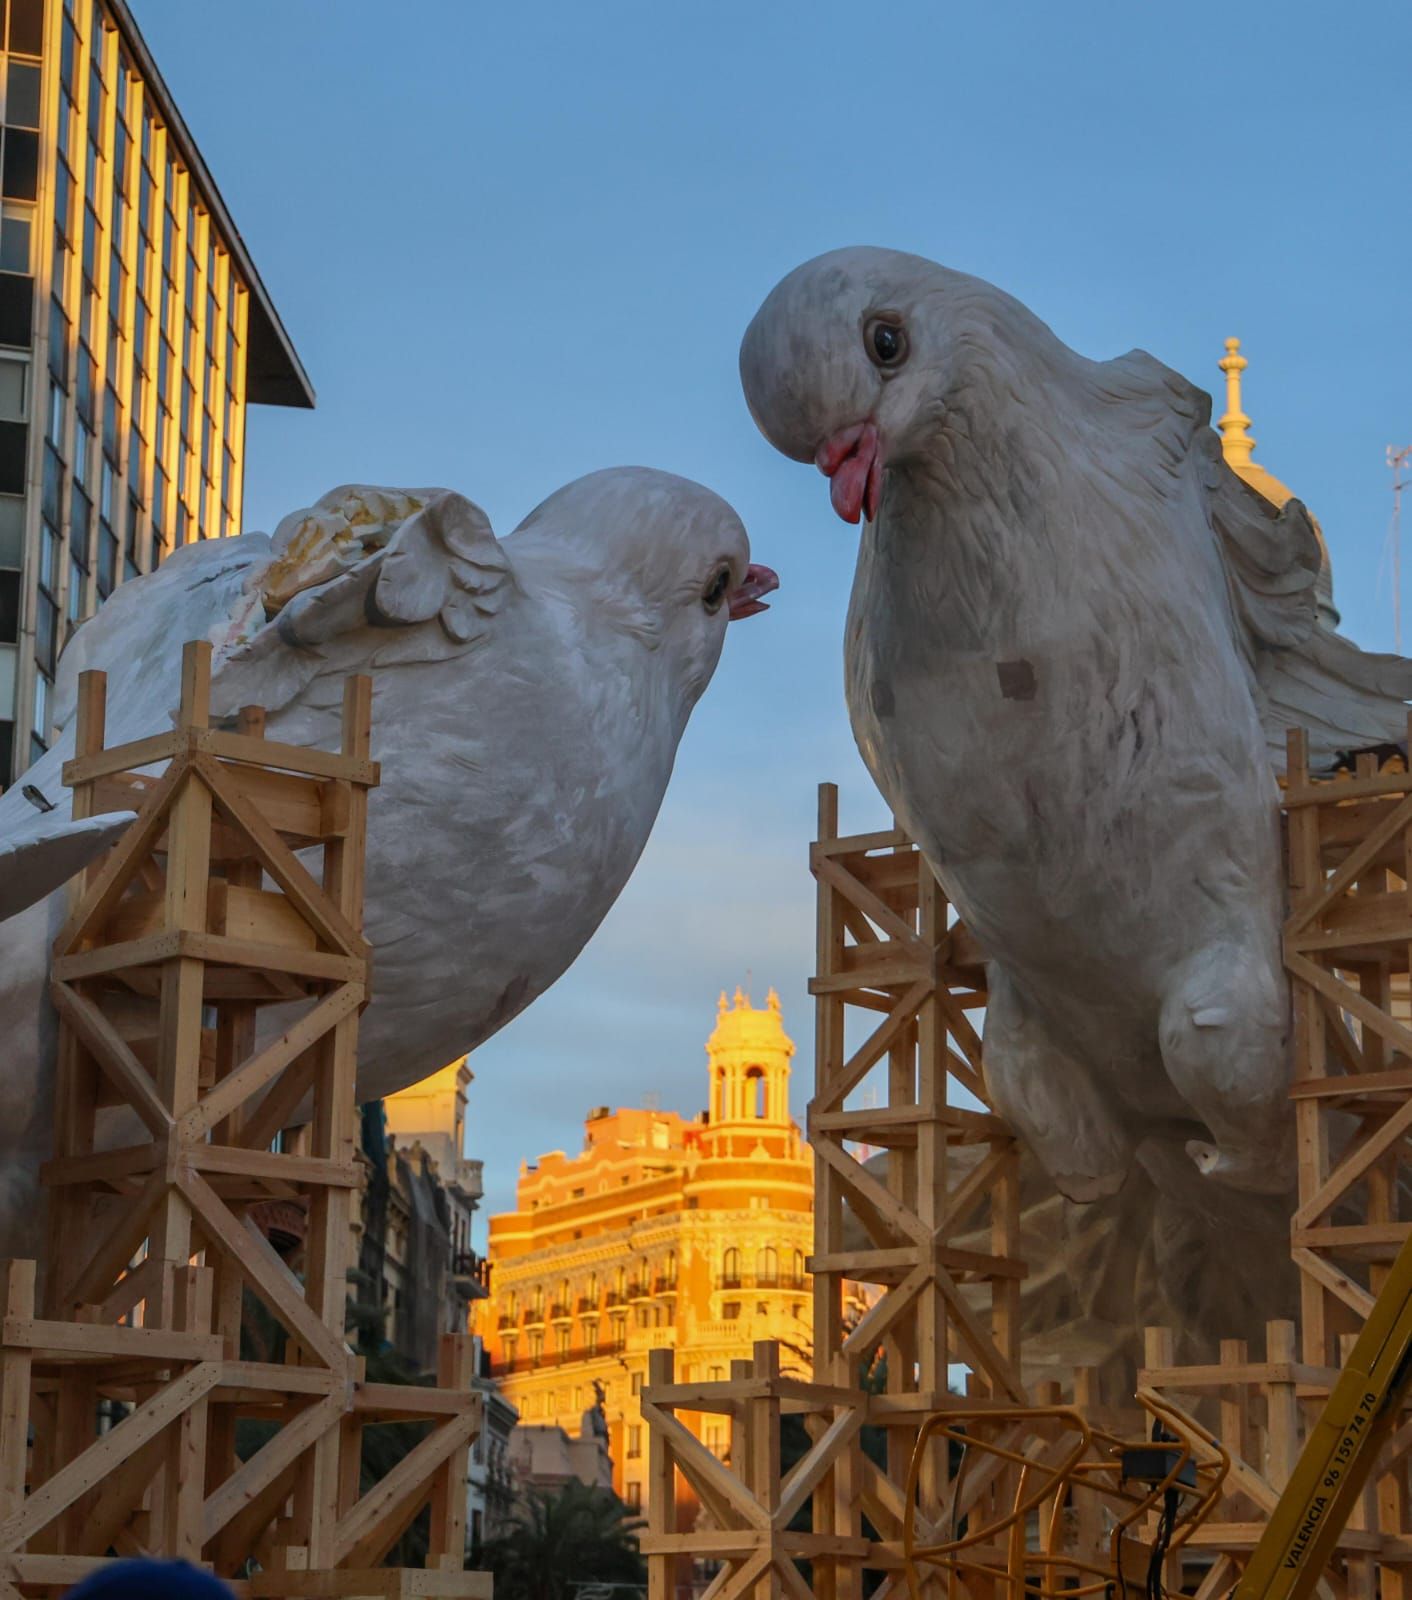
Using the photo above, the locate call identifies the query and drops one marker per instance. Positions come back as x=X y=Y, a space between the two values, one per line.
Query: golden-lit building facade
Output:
x=133 y=330
x=662 y=1232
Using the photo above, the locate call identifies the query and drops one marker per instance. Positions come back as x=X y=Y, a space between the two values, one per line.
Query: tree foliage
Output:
x=558 y=1540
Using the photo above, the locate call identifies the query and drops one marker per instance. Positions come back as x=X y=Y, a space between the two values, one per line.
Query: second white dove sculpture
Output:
x=528 y=698
x=1074 y=640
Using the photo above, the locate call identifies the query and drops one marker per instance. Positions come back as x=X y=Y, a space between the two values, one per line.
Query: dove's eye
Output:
x=886 y=341
x=716 y=590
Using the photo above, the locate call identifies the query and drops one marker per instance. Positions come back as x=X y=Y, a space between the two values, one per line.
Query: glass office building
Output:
x=133 y=330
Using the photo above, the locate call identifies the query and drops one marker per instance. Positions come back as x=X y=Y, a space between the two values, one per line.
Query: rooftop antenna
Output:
x=1398 y=461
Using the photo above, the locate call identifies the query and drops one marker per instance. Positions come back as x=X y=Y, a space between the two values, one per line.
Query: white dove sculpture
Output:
x=528 y=698
x=1074 y=643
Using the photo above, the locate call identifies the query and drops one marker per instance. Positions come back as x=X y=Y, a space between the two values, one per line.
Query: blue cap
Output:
x=151 y=1580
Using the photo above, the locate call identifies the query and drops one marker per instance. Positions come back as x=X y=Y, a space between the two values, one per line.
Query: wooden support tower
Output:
x=1348 y=938
x=897 y=982
x=151 y=1433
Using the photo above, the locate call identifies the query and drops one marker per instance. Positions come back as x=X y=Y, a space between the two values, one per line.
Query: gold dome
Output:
x=1238 y=447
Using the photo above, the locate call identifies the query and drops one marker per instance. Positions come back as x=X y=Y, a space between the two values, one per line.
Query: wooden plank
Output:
x=115 y=1059
x=268 y=1276
x=251 y=1076
x=871 y=905
x=304 y=894
x=106 y=1453
x=1395 y=822
x=288 y=757
x=254 y=1475
x=213 y=947
x=124 y=758
x=108 y=1339
x=17 y=1301
x=411 y=1475
x=270 y=1164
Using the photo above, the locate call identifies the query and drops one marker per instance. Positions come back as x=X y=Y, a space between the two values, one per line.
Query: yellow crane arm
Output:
x=1340 y=1452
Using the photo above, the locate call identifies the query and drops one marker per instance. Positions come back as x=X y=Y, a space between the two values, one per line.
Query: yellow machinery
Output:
x=1341 y=1450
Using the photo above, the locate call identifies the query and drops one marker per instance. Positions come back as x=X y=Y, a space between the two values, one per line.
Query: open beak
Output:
x=744 y=600
x=852 y=460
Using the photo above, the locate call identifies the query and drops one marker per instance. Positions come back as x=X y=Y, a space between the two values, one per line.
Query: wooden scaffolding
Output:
x=896 y=983
x=131 y=1421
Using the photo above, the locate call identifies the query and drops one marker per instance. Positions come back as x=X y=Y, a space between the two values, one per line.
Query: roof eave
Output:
x=275 y=375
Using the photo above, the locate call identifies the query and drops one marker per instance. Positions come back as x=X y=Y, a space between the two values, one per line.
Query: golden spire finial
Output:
x=1236 y=443
x=740 y=1000
x=721 y=1004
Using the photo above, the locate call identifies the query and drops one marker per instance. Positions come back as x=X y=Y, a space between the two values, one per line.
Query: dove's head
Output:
x=851 y=360
x=656 y=558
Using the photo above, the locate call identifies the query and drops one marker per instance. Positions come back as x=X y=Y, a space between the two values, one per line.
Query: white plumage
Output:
x=1074 y=643
x=528 y=698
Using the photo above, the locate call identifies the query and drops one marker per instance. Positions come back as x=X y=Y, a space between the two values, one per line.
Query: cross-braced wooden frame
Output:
x=169 y=1105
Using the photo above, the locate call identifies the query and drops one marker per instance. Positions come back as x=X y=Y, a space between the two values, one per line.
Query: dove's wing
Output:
x=36 y=861
x=1305 y=674
x=1302 y=674
x=419 y=577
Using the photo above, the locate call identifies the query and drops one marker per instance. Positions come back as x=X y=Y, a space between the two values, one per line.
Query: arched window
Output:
x=669 y=1268
x=730 y=1269
x=620 y=1281
x=754 y=1092
x=798 y=1267
x=767 y=1266
x=514 y=1307
x=592 y=1295
x=539 y=1300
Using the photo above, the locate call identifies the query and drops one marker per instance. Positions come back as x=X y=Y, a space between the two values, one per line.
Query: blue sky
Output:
x=517 y=243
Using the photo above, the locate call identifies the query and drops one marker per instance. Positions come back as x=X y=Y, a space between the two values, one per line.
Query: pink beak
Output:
x=852 y=460
x=744 y=600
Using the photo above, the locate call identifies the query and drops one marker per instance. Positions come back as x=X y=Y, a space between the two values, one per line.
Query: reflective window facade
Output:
x=125 y=334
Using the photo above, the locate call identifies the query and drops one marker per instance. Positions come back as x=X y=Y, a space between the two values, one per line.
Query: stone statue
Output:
x=1074 y=643
x=528 y=698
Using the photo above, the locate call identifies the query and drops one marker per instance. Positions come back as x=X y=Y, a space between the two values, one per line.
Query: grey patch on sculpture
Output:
x=1017 y=679
x=884 y=702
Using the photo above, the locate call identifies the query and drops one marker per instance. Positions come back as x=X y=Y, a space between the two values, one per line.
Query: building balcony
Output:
x=664 y=1285
x=472 y=1274
x=639 y=1289
x=613 y=1298
x=793 y=1281
x=559 y=1311
x=505 y=1320
x=584 y=1306
x=534 y=1317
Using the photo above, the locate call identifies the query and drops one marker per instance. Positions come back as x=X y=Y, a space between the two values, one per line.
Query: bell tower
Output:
x=749 y=1054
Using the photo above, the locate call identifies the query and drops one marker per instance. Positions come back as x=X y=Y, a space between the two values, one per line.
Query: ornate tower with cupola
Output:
x=749 y=1054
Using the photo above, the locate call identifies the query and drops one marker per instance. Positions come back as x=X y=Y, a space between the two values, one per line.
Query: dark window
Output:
x=19 y=173
x=7 y=750
x=16 y=308
x=46 y=632
x=85 y=367
x=77 y=573
x=63 y=200
x=9 y=607
x=50 y=550
x=27 y=27
x=110 y=422
x=107 y=561
x=90 y=244
x=58 y=337
x=57 y=402
x=68 y=53
x=14 y=242
x=12 y=457
x=80 y=520
x=22 y=96
x=53 y=485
